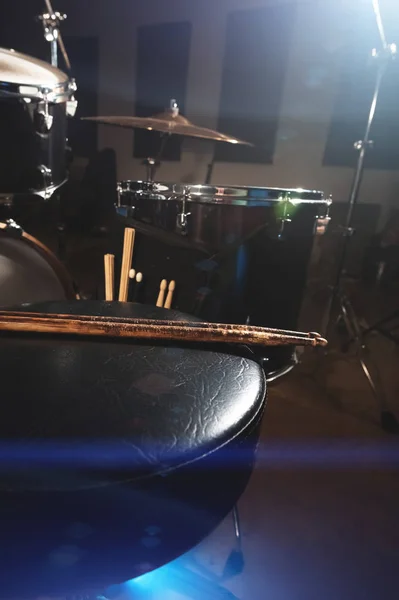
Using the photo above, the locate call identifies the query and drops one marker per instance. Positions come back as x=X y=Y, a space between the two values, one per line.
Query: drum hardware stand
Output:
x=210 y=167
x=152 y=164
x=338 y=299
x=51 y=25
x=392 y=320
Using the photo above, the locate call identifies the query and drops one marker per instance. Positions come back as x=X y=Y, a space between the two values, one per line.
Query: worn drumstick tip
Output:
x=169 y=298
x=132 y=274
x=161 y=295
x=109 y=266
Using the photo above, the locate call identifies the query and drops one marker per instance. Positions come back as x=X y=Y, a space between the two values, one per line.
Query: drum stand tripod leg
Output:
x=235 y=562
x=363 y=354
x=346 y=313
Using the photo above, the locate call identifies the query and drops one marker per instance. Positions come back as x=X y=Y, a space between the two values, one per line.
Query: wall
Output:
x=319 y=34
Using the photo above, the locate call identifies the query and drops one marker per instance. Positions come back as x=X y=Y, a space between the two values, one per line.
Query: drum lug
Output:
x=43 y=119
x=72 y=103
x=321 y=225
x=182 y=222
x=47 y=175
x=13 y=229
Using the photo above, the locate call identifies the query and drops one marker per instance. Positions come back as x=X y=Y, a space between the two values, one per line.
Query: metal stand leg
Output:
x=235 y=562
x=356 y=336
x=338 y=301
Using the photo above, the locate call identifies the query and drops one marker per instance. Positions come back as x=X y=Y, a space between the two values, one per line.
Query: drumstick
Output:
x=139 y=282
x=132 y=275
x=169 y=297
x=161 y=295
x=128 y=243
x=167 y=331
x=109 y=263
x=130 y=320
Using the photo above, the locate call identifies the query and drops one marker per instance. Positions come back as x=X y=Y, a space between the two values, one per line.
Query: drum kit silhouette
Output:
x=218 y=271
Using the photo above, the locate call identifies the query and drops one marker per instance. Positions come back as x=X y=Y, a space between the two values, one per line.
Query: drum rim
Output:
x=57 y=266
x=213 y=194
x=60 y=91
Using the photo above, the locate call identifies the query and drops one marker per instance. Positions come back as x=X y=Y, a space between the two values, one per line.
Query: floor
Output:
x=320 y=516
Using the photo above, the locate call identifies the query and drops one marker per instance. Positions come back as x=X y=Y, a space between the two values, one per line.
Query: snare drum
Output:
x=35 y=99
x=237 y=254
x=29 y=271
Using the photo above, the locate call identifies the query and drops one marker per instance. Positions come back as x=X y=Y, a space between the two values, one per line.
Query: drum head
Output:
x=28 y=273
x=21 y=69
x=210 y=194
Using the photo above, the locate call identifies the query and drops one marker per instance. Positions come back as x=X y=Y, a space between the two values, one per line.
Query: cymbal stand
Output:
x=339 y=302
x=51 y=25
x=152 y=164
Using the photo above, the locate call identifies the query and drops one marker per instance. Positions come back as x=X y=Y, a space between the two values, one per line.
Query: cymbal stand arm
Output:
x=152 y=164
x=209 y=170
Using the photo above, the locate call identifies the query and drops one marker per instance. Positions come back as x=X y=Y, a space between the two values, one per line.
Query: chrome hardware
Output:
x=51 y=23
x=47 y=180
x=360 y=144
x=181 y=219
x=321 y=225
x=182 y=222
x=43 y=119
x=174 y=108
x=285 y=217
x=72 y=103
x=46 y=172
x=13 y=229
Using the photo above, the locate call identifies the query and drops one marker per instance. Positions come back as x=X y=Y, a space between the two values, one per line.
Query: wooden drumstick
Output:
x=139 y=282
x=166 y=331
x=132 y=275
x=161 y=295
x=128 y=244
x=169 y=297
x=109 y=268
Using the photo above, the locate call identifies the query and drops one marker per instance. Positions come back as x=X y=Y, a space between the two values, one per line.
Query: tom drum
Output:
x=237 y=254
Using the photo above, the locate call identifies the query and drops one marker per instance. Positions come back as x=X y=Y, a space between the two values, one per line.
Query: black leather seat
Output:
x=116 y=456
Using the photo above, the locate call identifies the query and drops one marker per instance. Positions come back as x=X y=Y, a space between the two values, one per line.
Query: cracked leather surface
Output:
x=104 y=442
x=149 y=406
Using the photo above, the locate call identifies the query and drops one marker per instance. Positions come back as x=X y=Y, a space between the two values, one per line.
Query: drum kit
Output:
x=232 y=236
x=174 y=406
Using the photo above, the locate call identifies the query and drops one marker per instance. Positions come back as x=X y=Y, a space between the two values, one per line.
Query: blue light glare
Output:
x=174 y=581
x=99 y=454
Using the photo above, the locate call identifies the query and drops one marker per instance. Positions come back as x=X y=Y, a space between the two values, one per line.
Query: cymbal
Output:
x=170 y=122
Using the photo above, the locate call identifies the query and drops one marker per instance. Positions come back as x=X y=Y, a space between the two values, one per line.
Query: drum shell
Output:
x=233 y=263
x=29 y=271
x=27 y=147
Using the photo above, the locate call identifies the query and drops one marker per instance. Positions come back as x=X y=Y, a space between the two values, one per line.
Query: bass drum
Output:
x=29 y=271
x=35 y=100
